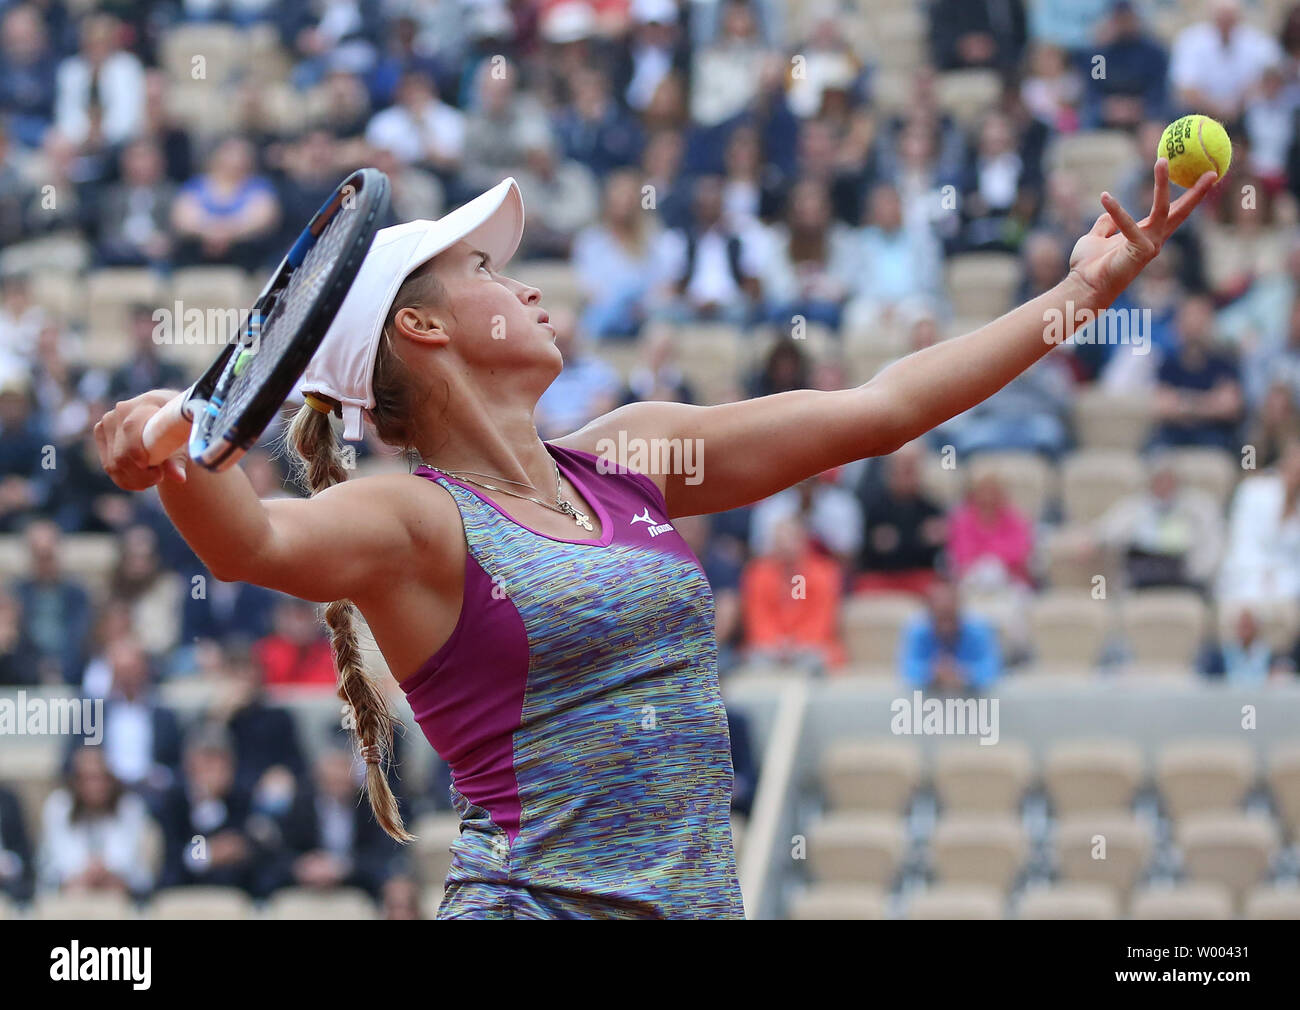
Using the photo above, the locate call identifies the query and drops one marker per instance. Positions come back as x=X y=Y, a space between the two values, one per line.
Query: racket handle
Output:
x=168 y=430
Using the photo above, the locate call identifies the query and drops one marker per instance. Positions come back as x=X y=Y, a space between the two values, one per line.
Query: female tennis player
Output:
x=551 y=630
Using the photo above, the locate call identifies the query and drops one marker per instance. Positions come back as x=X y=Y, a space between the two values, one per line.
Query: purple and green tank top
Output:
x=577 y=705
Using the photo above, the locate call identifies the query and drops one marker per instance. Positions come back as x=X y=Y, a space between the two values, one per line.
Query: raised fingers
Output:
x=1124 y=220
x=1160 y=198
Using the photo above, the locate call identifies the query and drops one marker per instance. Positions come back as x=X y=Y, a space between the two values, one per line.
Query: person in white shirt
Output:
x=94 y=834
x=1238 y=54
x=420 y=128
x=1262 y=560
x=100 y=91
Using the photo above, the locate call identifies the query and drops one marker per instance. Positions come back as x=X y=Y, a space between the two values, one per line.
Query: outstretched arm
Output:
x=754 y=448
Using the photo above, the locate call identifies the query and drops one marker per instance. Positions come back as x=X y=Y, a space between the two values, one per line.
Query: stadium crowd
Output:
x=741 y=167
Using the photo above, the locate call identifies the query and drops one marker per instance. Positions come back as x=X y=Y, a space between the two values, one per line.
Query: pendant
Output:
x=578 y=517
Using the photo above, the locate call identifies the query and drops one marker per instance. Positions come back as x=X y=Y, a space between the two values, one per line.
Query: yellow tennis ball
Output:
x=1195 y=145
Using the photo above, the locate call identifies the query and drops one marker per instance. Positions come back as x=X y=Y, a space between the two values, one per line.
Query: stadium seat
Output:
x=91 y=556
x=1104 y=847
x=1070 y=901
x=33 y=770
x=982 y=284
x=221 y=294
x=1029 y=480
x=972 y=778
x=200 y=903
x=1273 y=903
x=1228 y=848
x=978 y=849
x=870 y=775
x=1213 y=471
x=60 y=293
x=1089 y=776
x=202 y=110
x=968 y=95
x=1183 y=901
x=1097 y=159
x=1283 y=775
x=871 y=625
x=956 y=901
x=1092 y=480
x=221 y=47
x=1204 y=775
x=838 y=901
x=1067 y=567
x=1108 y=420
x=1165 y=625
x=856 y=848
x=941 y=482
x=307 y=903
x=434 y=834
x=1068 y=626
x=713 y=358
x=110 y=293
x=96 y=905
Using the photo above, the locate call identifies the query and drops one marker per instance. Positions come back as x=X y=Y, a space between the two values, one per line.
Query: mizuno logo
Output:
x=654 y=529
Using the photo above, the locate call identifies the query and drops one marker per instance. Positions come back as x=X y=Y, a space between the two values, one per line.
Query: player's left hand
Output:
x=1117 y=248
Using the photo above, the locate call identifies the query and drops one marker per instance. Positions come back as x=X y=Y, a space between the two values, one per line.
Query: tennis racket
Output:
x=225 y=412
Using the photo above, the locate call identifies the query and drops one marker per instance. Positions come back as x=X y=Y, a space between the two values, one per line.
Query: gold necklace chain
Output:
x=562 y=505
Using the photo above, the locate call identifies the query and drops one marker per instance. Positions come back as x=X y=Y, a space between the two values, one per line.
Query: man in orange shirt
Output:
x=791 y=602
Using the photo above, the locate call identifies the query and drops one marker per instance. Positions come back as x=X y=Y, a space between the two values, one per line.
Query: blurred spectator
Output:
x=657 y=374
x=1272 y=361
x=1276 y=420
x=296 y=652
x=712 y=270
x=24 y=479
x=101 y=89
x=1198 y=397
x=27 y=73
x=564 y=196
x=55 y=609
x=586 y=388
x=1269 y=121
x=786 y=366
x=16 y=864
x=222 y=612
x=263 y=735
x=613 y=260
x=210 y=834
x=1169 y=534
x=227 y=214
x=1070 y=24
x=14 y=191
x=1052 y=88
x=1245 y=657
x=830 y=514
x=153 y=593
x=809 y=273
x=1238 y=52
x=142 y=739
x=502 y=124
x=161 y=127
x=420 y=128
x=890 y=261
x=989 y=539
x=904 y=530
x=1000 y=188
x=1135 y=84
x=790 y=599
x=146 y=368
x=654 y=48
x=95 y=835
x=983 y=34
x=1262 y=559
x=134 y=214
x=21 y=321
x=946 y=649
x=332 y=840
x=18 y=664
x=725 y=74
x=61 y=205
x=594 y=129
x=401 y=899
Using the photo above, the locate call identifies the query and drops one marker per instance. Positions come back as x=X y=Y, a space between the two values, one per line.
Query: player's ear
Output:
x=417 y=323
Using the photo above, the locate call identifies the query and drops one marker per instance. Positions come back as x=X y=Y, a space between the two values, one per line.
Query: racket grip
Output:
x=168 y=430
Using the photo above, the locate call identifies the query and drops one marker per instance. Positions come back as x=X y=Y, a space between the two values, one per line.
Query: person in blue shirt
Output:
x=944 y=649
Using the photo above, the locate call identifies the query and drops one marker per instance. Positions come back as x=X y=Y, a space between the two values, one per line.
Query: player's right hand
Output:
x=119 y=435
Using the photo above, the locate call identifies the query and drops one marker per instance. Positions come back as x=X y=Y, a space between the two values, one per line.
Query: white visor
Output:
x=344 y=364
